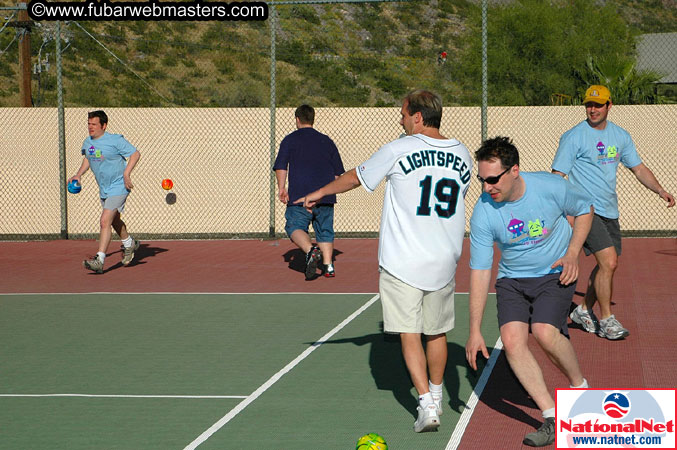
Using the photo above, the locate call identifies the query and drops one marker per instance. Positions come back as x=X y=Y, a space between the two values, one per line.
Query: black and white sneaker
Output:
x=328 y=271
x=313 y=258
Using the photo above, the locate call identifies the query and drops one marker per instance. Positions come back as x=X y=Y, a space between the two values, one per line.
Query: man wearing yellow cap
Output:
x=589 y=154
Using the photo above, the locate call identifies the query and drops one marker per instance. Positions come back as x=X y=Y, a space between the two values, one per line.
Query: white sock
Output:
x=581 y=310
x=101 y=256
x=128 y=242
x=584 y=385
x=549 y=413
x=435 y=390
x=425 y=399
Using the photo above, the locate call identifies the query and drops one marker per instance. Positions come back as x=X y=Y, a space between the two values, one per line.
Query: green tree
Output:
x=537 y=48
x=626 y=84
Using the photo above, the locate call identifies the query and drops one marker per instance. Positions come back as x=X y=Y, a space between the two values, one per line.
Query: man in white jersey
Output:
x=420 y=241
x=525 y=214
x=590 y=154
x=112 y=159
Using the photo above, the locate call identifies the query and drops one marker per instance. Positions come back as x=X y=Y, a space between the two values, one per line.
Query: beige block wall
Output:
x=220 y=160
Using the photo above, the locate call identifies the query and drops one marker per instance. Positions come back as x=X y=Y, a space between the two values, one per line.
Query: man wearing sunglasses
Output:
x=589 y=154
x=525 y=214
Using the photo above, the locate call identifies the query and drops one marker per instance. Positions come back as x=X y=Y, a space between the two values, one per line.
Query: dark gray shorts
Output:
x=604 y=233
x=534 y=300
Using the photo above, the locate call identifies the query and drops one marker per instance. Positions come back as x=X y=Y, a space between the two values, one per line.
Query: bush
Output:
x=304 y=12
x=529 y=63
x=392 y=84
x=224 y=65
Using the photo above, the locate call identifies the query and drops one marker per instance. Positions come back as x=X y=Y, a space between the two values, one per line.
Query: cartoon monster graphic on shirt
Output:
x=95 y=153
x=535 y=228
x=600 y=148
x=607 y=155
x=534 y=233
x=516 y=227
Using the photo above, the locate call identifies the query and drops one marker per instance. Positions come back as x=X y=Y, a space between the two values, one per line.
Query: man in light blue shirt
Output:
x=525 y=214
x=112 y=160
x=590 y=154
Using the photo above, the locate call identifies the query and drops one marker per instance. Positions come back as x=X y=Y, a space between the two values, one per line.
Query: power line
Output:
x=3 y=29
x=10 y=44
x=7 y=23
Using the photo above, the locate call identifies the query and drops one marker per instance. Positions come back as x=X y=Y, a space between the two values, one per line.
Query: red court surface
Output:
x=184 y=266
x=644 y=298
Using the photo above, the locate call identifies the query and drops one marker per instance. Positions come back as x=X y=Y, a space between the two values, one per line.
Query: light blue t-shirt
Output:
x=590 y=158
x=532 y=232
x=107 y=157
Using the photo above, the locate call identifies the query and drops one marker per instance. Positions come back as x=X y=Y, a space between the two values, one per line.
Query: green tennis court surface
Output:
x=231 y=371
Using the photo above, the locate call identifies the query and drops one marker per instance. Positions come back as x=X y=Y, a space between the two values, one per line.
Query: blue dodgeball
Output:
x=74 y=187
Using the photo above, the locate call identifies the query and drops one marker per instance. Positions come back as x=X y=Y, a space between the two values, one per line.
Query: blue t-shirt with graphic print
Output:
x=532 y=232
x=590 y=158
x=107 y=158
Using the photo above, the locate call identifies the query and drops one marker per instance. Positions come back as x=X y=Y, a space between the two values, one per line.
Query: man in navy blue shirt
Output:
x=312 y=160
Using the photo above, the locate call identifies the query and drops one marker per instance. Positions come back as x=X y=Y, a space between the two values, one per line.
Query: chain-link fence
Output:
x=220 y=157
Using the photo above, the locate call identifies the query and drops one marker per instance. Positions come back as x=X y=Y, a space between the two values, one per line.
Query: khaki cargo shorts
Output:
x=407 y=309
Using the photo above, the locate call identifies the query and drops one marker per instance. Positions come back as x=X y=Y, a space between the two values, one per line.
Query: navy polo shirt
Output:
x=312 y=161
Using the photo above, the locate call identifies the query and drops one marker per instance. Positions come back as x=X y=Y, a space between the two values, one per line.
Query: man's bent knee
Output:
x=545 y=334
x=607 y=259
x=514 y=336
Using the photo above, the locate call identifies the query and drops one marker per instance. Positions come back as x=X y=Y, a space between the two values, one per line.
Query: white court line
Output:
x=123 y=396
x=272 y=380
x=463 y=421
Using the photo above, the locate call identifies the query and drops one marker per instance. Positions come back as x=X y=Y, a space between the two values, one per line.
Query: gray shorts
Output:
x=604 y=233
x=534 y=300
x=407 y=309
x=114 y=202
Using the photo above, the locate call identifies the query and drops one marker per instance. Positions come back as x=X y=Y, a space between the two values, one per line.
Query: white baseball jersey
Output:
x=423 y=219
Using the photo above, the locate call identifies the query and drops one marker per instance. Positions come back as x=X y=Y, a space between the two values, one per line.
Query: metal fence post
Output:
x=273 y=25
x=485 y=83
x=62 y=136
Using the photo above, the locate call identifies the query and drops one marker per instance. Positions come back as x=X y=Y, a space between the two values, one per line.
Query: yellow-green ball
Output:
x=371 y=441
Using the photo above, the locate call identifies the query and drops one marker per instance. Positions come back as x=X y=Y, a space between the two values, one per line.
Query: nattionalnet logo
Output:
x=615 y=418
x=616 y=405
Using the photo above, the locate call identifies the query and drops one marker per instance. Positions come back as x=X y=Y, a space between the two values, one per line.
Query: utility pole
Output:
x=23 y=26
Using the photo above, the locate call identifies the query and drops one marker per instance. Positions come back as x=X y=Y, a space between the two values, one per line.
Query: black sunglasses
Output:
x=493 y=180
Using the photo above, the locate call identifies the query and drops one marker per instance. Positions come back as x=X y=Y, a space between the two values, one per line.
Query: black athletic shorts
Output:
x=534 y=300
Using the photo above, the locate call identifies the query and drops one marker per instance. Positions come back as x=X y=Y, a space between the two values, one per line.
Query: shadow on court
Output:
x=390 y=372
x=297 y=259
x=144 y=252
x=509 y=393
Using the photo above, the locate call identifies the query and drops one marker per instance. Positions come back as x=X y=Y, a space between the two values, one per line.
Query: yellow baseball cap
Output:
x=597 y=94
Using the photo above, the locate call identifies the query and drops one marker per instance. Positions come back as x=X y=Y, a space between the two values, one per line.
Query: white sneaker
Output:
x=438 y=404
x=585 y=319
x=428 y=419
x=612 y=329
